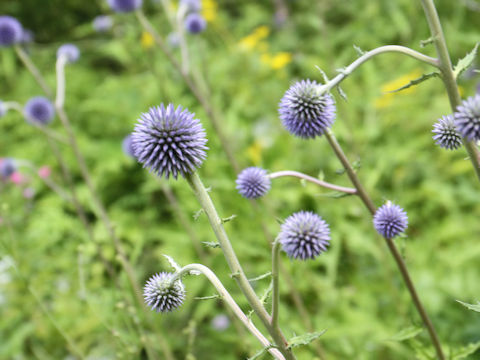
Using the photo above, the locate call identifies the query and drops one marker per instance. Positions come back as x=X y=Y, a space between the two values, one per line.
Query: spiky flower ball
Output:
x=390 y=220
x=10 y=31
x=163 y=295
x=127 y=146
x=102 y=23
x=123 y=6
x=195 y=23
x=304 y=235
x=446 y=134
x=253 y=182
x=467 y=118
x=70 y=52
x=39 y=110
x=7 y=168
x=305 y=111
x=169 y=141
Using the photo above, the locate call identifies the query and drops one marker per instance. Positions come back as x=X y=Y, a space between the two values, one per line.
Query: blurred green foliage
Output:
x=55 y=295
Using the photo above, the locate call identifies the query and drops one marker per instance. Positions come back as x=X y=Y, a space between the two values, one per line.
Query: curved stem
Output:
x=445 y=66
x=233 y=263
x=370 y=54
x=275 y=278
x=391 y=245
x=210 y=275
x=33 y=69
x=313 y=180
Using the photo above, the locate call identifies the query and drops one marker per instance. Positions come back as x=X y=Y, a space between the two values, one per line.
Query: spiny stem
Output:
x=210 y=275
x=313 y=180
x=233 y=263
x=448 y=76
x=391 y=245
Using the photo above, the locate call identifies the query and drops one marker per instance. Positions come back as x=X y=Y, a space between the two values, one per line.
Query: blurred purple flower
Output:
x=123 y=6
x=39 y=110
x=7 y=168
x=195 y=23
x=220 y=322
x=127 y=146
x=10 y=31
x=70 y=52
x=102 y=23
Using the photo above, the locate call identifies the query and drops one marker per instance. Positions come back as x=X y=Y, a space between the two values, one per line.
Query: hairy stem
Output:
x=391 y=245
x=370 y=54
x=233 y=263
x=313 y=180
x=210 y=275
x=448 y=76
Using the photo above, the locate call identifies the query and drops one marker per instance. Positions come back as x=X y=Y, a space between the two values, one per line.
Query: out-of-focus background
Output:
x=57 y=301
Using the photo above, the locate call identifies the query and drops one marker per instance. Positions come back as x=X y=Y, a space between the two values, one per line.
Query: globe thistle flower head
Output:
x=127 y=146
x=446 y=134
x=70 y=52
x=163 y=295
x=169 y=141
x=10 y=31
x=7 y=168
x=123 y=6
x=305 y=111
x=192 y=5
x=390 y=220
x=39 y=110
x=195 y=23
x=467 y=118
x=304 y=235
x=102 y=23
x=253 y=182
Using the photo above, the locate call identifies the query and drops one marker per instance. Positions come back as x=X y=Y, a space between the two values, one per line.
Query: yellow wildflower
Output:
x=209 y=10
x=147 y=41
x=254 y=39
x=280 y=60
x=254 y=152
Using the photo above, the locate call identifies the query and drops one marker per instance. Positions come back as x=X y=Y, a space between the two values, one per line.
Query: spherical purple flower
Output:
x=10 y=31
x=305 y=111
x=163 y=295
x=39 y=110
x=127 y=146
x=169 y=141
x=446 y=134
x=195 y=23
x=467 y=118
x=192 y=5
x=304 y=235
x=390 y=220
x=70 y=52
x=102 y=23
x=123 y=6
x=253 y=182
x=7 y=167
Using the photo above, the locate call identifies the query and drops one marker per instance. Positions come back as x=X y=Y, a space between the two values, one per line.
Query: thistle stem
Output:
x=276 y=286
x=313 y=180
x=233 y=263
x=33 y=70
x=372 y=53
x=60 y=67
x=210 y=275
x=391 y=245
x=448 y=76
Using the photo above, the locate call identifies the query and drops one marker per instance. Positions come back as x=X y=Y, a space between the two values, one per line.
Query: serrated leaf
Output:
x=465 y=62
x=325 y=77
x=359 y=51
x=304 y=339
x=474 y=307
x=342 y=93
x=211 y=244
x=267 y=293
x=172 y=263
x=230 y=218
x=417 y=81
x=407 y=333
x=465 y=351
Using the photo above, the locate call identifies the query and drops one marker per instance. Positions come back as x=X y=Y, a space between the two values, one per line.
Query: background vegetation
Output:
x=61 y=289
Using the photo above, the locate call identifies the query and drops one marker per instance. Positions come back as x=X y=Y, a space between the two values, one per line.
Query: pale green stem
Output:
x=391 y=245
x=233 y=263
x=33 y=70
x=448 y=76
x=182 y=11
x=313 y=180
x=210 y=275
x=276 y=286
x=60 y=67
x=370 y=54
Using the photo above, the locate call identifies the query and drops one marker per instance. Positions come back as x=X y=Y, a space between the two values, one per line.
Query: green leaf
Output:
x=471 y=306
x=465 y=351
x=212 y=297
x=260 y=277
x=417 y=81
x=429 y=41
x=304 y=339
x=407 y=333
x=260 y=353
x=464 y=63
x=359 y=51
x=211 y=244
